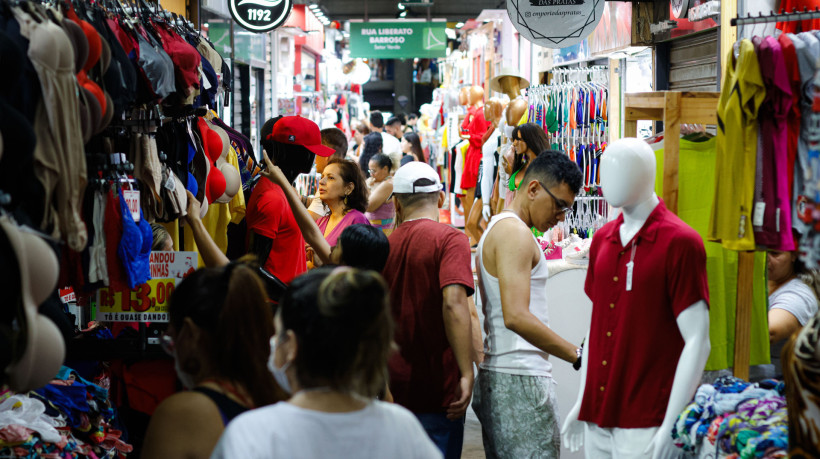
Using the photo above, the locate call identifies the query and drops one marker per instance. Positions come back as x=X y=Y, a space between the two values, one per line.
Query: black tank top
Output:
x=228 y=408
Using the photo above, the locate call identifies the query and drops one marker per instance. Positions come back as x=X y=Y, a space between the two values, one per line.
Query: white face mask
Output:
x=186 y=379
x=278 y=373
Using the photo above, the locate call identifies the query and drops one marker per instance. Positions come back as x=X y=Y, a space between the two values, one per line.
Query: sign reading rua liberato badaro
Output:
x=555 y=23
x=260 y=15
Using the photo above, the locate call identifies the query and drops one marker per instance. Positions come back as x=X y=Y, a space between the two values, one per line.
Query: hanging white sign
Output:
x=555 y=23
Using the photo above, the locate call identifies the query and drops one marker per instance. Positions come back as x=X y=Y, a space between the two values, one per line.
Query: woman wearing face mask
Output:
x=334 y=336
x=219 y=335
x=380 y=210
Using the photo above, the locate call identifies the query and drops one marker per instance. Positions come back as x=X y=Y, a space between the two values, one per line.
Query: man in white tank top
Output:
x=514 y=397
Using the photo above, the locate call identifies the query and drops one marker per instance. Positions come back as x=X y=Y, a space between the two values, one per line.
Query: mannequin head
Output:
x=476 y=95
x=493 y=110
x=510 y=85
x=628 y=172
x=292 y=159
x=464 y=96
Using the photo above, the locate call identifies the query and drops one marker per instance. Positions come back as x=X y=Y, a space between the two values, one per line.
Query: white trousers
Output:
x=616 y=443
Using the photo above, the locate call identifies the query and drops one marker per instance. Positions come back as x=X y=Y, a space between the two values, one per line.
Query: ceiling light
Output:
x=459 y=25
x=403 y=14
x=314 y=7
x=401 y=6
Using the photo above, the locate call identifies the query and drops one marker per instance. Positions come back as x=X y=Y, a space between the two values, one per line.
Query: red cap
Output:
x=295 y=130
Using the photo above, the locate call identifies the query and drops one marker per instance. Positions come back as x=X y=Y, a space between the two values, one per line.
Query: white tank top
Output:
x=504 y=350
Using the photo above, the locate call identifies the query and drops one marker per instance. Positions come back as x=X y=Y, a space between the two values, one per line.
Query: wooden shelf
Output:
x=674 y=108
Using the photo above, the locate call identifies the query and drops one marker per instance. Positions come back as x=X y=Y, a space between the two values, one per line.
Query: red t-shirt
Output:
x=268 y=214
x=425 y=256
x=635 y=343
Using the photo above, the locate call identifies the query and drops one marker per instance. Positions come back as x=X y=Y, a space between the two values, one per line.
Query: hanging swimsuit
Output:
x=134 y=248
x=59 y=150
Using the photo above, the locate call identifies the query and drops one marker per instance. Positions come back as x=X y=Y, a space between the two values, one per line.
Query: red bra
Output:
x=215 y=184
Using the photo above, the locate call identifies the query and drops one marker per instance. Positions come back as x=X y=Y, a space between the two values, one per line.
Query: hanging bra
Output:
x=157 y=67
x=212 y=144
x=134 y=249
x=186 y=59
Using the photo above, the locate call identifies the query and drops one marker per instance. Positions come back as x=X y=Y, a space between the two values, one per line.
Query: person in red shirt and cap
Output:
x=273 y=235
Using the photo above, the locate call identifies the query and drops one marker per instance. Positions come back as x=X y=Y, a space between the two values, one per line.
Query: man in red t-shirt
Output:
x=274 y=237
x=430 y=278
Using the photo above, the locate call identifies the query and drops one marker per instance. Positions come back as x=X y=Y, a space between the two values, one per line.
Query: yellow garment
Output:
x=743 y=93
x=218 y=217
x=525 y=118
x=695 y=191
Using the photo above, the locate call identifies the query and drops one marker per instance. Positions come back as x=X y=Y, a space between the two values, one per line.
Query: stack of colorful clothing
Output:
x=68 y=418
x=738 y=418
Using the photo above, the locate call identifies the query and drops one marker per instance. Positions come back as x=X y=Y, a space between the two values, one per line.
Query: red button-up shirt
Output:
x=634 y=338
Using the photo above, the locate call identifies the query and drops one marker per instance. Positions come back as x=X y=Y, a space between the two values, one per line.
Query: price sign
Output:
x=260 y=15
x=147 y=302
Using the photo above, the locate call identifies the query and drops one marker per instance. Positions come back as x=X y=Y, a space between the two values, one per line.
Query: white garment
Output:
x=29 y=413
x=381 y=430
x=797 y=298
x=488 y=156
x=318 y=207
x=392 y=148
x=504 y=350
x=616 y=443
x=98 y=267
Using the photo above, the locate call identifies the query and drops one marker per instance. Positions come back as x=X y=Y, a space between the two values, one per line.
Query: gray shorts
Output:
x=518 y=414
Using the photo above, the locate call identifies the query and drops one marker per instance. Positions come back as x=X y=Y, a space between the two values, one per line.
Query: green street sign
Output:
x=397 y=40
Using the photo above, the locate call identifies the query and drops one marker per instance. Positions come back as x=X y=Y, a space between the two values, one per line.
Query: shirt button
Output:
x=611 y=305
x=608 y=333
x=615 y=278
x=602 y=388
x=603 y=363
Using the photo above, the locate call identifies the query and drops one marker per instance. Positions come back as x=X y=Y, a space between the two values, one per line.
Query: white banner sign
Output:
x=555 y=23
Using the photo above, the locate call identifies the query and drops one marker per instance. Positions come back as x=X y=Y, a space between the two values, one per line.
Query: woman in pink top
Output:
x=342 y=189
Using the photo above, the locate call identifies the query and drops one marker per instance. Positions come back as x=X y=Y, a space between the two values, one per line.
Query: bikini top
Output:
x=186 y=59
x=49 y=46
x=212 y=144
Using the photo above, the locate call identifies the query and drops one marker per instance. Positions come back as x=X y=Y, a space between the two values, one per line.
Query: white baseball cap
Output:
x=404 y=182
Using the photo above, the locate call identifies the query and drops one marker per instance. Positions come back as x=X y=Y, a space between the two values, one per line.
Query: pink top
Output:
x=351 y=218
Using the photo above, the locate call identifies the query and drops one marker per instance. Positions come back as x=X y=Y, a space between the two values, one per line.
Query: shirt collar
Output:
x=649 y=229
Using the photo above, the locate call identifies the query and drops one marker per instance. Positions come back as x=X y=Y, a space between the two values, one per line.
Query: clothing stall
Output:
x=107 y=124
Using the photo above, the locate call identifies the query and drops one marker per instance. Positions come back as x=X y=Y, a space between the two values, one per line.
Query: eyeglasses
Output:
x=561 y=205
x=167 y=344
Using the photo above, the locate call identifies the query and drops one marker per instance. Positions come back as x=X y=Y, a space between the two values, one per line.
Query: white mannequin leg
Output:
x=598 y=442
x=616 y=443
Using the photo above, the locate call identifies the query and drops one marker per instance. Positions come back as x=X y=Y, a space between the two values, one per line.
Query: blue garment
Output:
x=67 y=373
x=136 y=238
x=70 y=400
x=446 y=434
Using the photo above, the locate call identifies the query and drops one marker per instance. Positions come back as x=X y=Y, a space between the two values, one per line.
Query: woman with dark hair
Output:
x=373 y=144
x=362 y=247
x=380 y=210
x=792 y=299
x=334 y=333
x=342 y=189
x=411 y=148
x=216 y=315
x=529 y=141
x=358 y=137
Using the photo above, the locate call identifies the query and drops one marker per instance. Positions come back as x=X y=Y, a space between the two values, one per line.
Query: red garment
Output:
x=634 y=338
x=788 y=6
x=795 y=115
x=186 y=58
x=465 y=124
x=478 y=128
x=425 y=256
x=269 y=215
x=112 y=226
x=143 y=385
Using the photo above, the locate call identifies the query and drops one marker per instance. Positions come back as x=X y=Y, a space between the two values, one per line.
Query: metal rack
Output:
x=795 y=15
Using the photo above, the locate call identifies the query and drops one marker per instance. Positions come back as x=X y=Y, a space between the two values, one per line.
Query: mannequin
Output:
x=493 y=111
x=646 y=227
x=509 y=81
x=476 y=130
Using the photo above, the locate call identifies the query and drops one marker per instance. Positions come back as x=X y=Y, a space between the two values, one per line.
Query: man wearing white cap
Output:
x=430 y=278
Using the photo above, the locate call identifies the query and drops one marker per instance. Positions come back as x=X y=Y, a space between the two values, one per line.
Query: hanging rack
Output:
x=795 y=15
